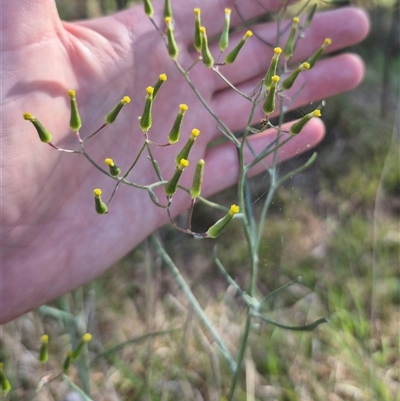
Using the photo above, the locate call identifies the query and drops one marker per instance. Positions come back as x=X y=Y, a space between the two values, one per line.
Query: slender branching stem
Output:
x=193 y=301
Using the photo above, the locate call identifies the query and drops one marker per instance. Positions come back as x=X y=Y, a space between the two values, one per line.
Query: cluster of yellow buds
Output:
x=200 y=40
x=271 y=79
x=75 y=121
x=272 y=83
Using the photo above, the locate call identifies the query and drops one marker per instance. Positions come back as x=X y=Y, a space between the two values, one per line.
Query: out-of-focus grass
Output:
x=336 y=225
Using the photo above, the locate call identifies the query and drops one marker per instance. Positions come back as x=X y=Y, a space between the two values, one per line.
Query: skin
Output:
x=52 y=239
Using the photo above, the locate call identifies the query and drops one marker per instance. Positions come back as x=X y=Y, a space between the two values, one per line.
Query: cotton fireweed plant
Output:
x=269 y=95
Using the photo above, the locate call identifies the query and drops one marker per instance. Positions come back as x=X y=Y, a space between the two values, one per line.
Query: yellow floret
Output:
x=28 y=116
x=234 y=209
x=184 y=163
x=195 y=132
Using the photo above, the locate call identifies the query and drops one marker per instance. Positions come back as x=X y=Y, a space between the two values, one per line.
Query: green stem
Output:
x=193 y=301
x=154 y=162
x=240 y=356
x=232 y=86
x=70 y=383
x=135 y=161
x=225 y=130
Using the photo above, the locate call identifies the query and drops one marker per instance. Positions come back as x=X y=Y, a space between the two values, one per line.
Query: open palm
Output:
x=52 y=239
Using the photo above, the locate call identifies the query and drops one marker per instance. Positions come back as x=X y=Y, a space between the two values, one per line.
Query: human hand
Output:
x=52 y=239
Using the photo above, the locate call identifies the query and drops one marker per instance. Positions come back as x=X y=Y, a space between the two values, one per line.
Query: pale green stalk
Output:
x=193 y=301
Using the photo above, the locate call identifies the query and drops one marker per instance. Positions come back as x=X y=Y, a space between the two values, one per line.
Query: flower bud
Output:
x=161 y=79
x=114 y=170
x=197 y=35
x=113 y=114
x=312 y=60
x=184 y=153
x=269 y=104
x=231 y=57
x=148 y=8
x=44 y=135
x=175 y=132
x=84 y=340
x=5 y=384
x=172 y=185
x=172 y=46
x=272 y=68
x=289 y=81
x=75 y=120
x=297 y=127
x=220 y=225
x=67 y=361
x=101 y=207
x=44 y=350
x=289 y=47
x=310 y=16
x=197 y=180
x=145 y=120
x=205 y=51
x=224 y=40
x=167 y=9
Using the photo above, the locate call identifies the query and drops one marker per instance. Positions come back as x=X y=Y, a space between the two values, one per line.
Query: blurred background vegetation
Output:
x=336 y=225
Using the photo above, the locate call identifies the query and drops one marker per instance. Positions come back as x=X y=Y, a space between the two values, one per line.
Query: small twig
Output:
x=94 y=133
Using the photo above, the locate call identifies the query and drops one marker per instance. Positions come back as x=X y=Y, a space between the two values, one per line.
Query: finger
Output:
x=28 y=22
x=328 y=78
x=345 y=27
x=222 y=164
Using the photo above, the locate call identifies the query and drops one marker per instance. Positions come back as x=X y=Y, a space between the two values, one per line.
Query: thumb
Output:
x=24 y=22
